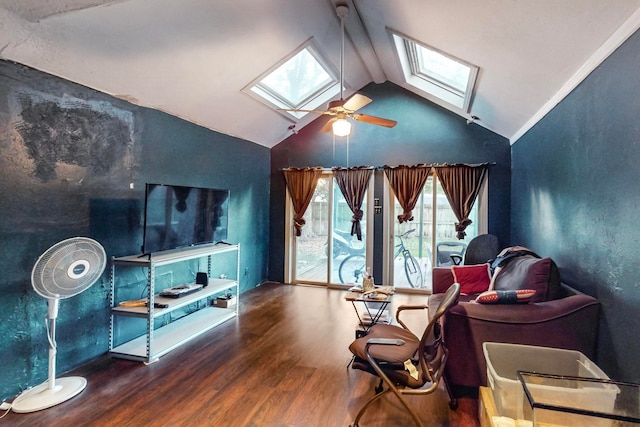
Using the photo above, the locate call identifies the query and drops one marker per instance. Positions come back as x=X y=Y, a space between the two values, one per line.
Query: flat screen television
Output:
x=177 y=216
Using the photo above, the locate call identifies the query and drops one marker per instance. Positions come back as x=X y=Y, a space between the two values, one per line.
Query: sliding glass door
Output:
x=317 y=259
x=428 y=240
x=327 y=254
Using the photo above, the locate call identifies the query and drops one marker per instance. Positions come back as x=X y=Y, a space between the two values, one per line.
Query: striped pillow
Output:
x=506 y=297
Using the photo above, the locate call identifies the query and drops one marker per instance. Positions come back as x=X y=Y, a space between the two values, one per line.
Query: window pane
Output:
x=298 y=78
x=311 y=246
x=437 y=74
x=447 y=243
x=312 y=249
x=418 y=242
x=443 y=69
x=410 y=260
x=348 y=252
x=412 y=244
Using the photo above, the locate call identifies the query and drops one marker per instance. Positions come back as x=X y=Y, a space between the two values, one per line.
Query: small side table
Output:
x=373 y=309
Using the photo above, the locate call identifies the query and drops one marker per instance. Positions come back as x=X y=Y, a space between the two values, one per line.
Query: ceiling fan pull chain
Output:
x=347 y=151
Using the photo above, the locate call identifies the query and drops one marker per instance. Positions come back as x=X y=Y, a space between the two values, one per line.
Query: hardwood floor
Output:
x=282 y=362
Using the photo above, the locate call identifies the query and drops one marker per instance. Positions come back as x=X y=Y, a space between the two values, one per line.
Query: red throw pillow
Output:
x=473 y=279
x=506 y=297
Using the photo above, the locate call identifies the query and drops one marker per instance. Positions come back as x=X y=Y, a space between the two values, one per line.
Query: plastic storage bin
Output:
x=505 y=360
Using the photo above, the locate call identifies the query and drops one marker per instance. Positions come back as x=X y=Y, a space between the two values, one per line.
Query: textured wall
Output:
x=576 y=199
x=425 y=133
x=68 y=155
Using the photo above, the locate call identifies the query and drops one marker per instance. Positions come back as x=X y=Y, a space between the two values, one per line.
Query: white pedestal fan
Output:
x=64 y=270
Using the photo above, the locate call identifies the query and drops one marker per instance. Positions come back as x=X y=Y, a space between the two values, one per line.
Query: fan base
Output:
x=40 y=397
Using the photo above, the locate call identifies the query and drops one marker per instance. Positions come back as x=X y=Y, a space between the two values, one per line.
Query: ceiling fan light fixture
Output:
x=341 y=127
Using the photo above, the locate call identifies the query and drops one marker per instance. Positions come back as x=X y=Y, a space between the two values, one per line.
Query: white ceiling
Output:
x=192 y=58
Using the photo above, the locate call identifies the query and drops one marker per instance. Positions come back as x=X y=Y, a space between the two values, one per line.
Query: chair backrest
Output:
x=433 y=353
x=444 y=251
x=481 y=249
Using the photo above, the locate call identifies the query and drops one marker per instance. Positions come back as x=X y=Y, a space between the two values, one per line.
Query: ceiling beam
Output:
x=358 y=34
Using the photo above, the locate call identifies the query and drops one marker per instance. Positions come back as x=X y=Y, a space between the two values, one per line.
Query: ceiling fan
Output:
x=339 y=110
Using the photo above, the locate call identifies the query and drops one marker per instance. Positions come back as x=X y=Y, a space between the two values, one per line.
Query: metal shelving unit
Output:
x=156 y=342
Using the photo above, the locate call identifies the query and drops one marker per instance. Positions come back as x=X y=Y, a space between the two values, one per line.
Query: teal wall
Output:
x=575 y=197
x=68 y=155
x=425 y=133
x=571 y=195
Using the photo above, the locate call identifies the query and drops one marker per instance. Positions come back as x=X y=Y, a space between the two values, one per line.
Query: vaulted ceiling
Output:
x=192 y=58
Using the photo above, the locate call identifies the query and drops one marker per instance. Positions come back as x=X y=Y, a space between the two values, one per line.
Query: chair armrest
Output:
x=385 y=341
x=408 y=307
x=441 y=279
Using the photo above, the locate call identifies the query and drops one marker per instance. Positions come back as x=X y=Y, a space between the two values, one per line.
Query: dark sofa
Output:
x=559 y=317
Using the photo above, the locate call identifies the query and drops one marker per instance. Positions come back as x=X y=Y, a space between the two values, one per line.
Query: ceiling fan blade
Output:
x=374 y=120
x=328 y=126
x=356 y=102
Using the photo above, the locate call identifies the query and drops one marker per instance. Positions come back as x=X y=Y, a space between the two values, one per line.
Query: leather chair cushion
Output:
x=395 y=354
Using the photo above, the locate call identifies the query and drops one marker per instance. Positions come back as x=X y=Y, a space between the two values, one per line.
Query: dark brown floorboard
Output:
x=282 y=362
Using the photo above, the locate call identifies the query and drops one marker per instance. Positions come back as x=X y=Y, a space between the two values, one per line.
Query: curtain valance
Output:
x=461 y=184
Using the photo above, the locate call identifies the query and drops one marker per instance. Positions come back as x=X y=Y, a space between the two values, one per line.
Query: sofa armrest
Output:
x=568 y=323
x=441 y=279
x=523 y=314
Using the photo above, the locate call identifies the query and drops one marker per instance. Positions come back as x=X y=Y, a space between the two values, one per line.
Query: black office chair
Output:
x=448 y=252
x=405 y=363
x=481 y=249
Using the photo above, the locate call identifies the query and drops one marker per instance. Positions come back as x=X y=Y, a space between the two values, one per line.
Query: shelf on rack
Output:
x=175 y=255
x=216 y=286
x=156 y=342
x=174 y=334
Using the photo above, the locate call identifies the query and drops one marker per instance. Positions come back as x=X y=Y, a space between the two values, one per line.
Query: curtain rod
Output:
x=327 y=169
x=426 y=165
x=438 y=165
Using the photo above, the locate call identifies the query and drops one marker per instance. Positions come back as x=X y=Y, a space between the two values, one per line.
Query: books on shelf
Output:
x=368 y=319
x=180 y=290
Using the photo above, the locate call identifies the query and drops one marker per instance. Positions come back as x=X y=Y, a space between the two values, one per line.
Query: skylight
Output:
x=303 y=80
x=436 y=73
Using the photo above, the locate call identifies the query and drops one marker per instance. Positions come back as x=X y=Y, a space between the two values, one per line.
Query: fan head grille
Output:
x=68 y=268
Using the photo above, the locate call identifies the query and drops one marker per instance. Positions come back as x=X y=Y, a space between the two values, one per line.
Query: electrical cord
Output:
x=6 y=407
x=52 y=343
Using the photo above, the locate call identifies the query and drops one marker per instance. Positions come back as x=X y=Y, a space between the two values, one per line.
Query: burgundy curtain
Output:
x=461 y=184
x=406 y=183
x=353 y=184
x=301 y=184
